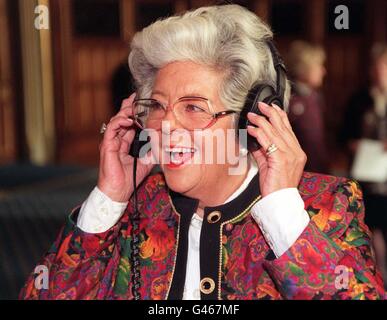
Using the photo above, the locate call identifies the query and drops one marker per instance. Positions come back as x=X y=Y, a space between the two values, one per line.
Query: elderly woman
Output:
x=204 y=231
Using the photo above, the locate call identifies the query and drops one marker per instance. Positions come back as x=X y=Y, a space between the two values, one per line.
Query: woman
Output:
x=205 y=231
x=306 y=106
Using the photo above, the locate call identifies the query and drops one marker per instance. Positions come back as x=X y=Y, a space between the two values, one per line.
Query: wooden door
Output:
x=11 y=133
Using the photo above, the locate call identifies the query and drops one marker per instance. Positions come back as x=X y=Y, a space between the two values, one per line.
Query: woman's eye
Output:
x=193 y=108
x=156 y=106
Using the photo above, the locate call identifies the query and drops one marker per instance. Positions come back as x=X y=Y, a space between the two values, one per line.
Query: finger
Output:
x=273 y=115
x=126 y=112
x=261 y=158
x=284 y=117
x=297 y=151
x=261 y=155
x=126 y=109
x=128 y=102
x=259 y=134
x=276 y=116
x=285 y=120
x=126 y=141
x=115 y=125
x=270 y=132
x=122 y=132
x=124 y=146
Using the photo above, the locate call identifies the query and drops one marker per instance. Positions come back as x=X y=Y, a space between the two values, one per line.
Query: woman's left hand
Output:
x=284 y=167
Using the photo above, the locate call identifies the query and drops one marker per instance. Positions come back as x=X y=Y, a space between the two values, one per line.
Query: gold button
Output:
x=214 y=217
x=207 y=285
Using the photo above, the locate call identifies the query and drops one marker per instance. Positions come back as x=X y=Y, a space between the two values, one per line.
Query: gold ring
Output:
x=103 y=128
x=272 y=148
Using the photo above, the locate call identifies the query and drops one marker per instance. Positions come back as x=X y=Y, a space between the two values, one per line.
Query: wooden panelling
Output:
x=8 y=136
x=261 y=8
x=346 y=72
x=87 y=72
x=93 y=65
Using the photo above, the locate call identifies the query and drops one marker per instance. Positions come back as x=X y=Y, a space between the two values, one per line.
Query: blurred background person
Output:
x=367 y=111
x=307 y=71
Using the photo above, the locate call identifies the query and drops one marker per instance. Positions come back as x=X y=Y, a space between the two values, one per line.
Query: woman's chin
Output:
x=180 y=181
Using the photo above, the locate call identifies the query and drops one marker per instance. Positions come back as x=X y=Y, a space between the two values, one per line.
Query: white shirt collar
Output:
x=250 y=175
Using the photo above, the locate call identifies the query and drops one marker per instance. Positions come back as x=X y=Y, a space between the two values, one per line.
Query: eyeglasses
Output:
x=191 y=112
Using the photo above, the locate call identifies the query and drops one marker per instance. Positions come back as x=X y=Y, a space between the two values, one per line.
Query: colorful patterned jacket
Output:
x=332 y=259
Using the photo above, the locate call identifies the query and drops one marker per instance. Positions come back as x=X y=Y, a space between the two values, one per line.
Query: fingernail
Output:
x=275 y=106
x=262 y=104
x=252 y=114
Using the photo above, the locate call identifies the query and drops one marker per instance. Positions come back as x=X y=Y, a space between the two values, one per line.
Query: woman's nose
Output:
x=169 y=122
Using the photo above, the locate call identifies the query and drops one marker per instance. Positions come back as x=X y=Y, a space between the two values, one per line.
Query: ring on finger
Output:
x=103 y=128
x=272 y=148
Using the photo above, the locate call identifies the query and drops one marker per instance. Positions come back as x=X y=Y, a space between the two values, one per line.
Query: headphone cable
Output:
x=136 y=276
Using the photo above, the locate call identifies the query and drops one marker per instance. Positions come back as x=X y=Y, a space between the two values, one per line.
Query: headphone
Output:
x=263 y=92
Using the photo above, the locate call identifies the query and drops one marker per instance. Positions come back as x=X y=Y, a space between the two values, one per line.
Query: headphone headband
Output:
x=280 y=69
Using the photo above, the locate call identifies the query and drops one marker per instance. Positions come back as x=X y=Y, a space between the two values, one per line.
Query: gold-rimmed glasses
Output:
x=190 y=111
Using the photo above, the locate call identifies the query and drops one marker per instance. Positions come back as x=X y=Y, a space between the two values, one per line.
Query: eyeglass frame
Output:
x=215 y=115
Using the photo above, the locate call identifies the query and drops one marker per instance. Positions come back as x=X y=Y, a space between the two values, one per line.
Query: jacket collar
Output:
x=187 y=206
x=213 y=220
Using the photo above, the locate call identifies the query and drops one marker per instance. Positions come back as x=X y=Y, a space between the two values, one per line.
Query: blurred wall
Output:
x=8 y=132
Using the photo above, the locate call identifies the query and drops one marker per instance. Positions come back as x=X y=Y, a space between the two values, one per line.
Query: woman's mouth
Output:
x=178 y=156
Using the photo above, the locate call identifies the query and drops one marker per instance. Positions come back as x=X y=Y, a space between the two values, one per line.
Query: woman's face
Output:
x=188 y=160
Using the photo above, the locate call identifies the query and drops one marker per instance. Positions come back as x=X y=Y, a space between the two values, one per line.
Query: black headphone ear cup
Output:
x=259 y=93
x=273 y=100
x=264 y=93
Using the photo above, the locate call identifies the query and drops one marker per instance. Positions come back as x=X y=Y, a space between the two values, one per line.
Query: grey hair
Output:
x=228 y=38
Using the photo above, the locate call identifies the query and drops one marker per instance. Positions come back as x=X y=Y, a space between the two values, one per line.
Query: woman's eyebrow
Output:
x=194 y=94
x=160 y=93
x=189 y=94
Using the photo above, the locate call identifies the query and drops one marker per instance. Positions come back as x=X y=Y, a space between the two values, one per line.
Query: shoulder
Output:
x=312 y=183
x=333 y=203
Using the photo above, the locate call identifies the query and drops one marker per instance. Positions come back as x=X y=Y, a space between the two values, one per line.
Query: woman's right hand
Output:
x=115 y=178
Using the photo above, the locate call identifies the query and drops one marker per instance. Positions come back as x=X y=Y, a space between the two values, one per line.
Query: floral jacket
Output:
x=332 y=258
